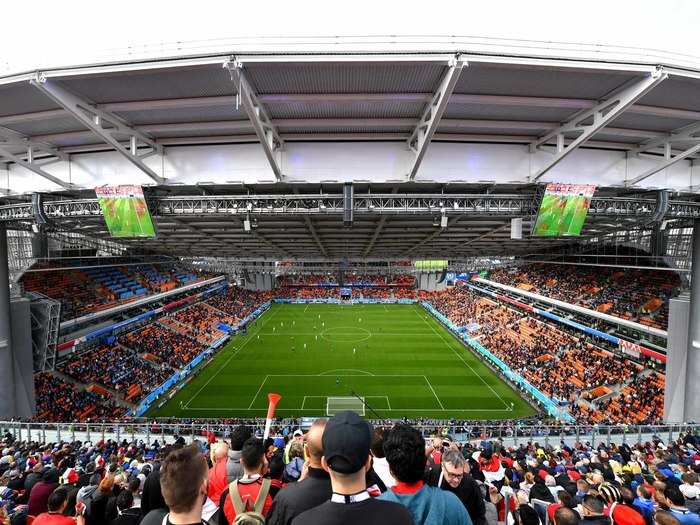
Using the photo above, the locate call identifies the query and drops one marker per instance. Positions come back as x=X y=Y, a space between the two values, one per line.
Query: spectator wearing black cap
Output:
x=39 y=497
x=346 y=457
x=312 y=490
x=453 y=476
x=405 y=451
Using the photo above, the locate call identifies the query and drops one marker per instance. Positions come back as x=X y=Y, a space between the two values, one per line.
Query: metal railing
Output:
x=510 y=434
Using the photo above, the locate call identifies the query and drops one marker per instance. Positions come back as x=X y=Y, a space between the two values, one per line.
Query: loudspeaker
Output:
x=348 y=203
x=40 y=218
x=516 y=228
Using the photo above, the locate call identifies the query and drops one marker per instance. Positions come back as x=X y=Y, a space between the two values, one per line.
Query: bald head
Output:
x=314 y=446
x=219 y=451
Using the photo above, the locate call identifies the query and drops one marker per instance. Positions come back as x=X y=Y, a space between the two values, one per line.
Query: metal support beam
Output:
x=312 y=230
x=266 y=131
x=314 y=234
x=427 y=125
x=433 y=235
x=687 y=135
x=10 y=139
x=479 y=237
x=380 y=227
x=105 y=125
x=589 y=122
x=200 y=232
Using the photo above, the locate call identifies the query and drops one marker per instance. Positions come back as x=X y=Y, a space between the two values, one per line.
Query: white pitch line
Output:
x=433 y=390
x=393 y=410
x=258 y=392
x=465 y=362
x=234 y=354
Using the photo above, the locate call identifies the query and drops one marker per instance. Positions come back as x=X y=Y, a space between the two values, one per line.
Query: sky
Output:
x=56 y=33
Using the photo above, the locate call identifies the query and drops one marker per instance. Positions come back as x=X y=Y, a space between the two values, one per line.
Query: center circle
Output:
x=346 y=334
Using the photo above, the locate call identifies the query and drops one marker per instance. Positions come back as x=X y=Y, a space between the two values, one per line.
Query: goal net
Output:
x=338 y=404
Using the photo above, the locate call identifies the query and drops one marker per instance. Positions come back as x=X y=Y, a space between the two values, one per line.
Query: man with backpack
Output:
x=247 y=501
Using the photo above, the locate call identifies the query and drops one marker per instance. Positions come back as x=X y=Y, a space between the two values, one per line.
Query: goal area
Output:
x=338 y=404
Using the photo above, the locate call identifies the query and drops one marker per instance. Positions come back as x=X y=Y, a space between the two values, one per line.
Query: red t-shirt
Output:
x=218 y=480
x=53 y=519
x=551 y=509
x=624 y=515
x=249 y=491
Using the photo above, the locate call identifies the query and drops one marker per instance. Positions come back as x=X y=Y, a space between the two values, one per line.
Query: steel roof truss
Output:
x=587 y=123
x=264 y=128
x=110 y=128
x=688 y=135
x=430 y=120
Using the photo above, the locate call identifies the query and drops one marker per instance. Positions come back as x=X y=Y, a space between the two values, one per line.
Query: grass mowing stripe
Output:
x=234 y=354
x=317 y=351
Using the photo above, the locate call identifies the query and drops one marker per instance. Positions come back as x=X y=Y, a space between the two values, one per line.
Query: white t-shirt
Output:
x=381 y=467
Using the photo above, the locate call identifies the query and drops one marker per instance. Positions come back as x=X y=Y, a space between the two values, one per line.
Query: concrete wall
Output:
x=676 y=354
x=22 y=358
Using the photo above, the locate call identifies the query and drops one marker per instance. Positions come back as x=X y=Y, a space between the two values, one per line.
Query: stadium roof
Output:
x=556 y=99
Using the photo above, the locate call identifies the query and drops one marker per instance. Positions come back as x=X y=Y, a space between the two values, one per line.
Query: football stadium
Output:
x=345 y=280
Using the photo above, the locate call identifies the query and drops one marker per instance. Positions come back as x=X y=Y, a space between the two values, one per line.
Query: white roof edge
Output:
x=372 y=49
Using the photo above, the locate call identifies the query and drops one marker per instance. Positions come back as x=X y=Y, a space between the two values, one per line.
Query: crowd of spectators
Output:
x=307 y=292
x=117 y=368
x=58 y=400
x=351 y=473
x=160 y=344
x=640 y=295
x=81 y=294
x=565 y=365
x=238 y=302
x=590 y=380
x=200 y=322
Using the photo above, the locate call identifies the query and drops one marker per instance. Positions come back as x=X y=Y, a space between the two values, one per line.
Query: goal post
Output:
x=338 y=404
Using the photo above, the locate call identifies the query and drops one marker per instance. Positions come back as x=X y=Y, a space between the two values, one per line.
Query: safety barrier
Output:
x=509 y=434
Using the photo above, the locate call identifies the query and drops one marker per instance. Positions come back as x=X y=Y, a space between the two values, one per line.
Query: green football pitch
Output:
x=321 y=358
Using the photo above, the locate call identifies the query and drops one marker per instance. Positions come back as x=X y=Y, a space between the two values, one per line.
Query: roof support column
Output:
x=110 y=128
x=688 y=135
x=589 y=122
x=427 y=125
x=10 y=139
x=264 y=128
